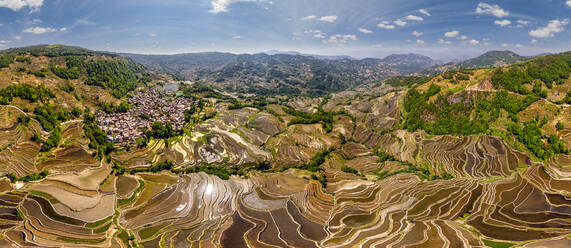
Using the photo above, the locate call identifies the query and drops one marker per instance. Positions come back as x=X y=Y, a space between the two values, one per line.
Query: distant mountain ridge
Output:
x=488 y=59
x=283 y=73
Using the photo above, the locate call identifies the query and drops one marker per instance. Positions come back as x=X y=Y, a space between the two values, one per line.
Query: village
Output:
x=156 y=105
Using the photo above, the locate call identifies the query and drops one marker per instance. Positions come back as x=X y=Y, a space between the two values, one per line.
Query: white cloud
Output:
x=222 y=5
x=445 y=42
x=420 y=42
x=425 y=12
x=462 y=37
x=365 y=31
x=452 y=33
x=236 y=37
x=554 y=26
x=533 y=41
x=3 y=43
x=417 y=34
x=414 y=18
x=316 y=33
x=523 y=22
x=311 y=17
x=16 y=5
x=502 y=23
x=518 y=45
x=1 y=25
x=400 y=23
x=328 y=19
x=505 y=45
x=495 y=10
x=385 y=25
x=486 y=39
x=63 y=29
x=152 y=34
x=568 y=3
x=378 y=45
x=474 y=42
x=39 y=30
x=341 y=38
x=17 y=37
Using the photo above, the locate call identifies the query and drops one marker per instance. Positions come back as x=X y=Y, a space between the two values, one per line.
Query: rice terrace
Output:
x=141 y=133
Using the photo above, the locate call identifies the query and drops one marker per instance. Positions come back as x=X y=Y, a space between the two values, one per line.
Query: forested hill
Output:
x=108 y=71
x=527 y=104
x=488 y=59
x=281 y=73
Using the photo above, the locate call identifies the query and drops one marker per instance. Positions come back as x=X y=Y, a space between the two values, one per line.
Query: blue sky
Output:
x=361 y=28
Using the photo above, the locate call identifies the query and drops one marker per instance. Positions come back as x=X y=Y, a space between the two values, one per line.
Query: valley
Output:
x=283 y=150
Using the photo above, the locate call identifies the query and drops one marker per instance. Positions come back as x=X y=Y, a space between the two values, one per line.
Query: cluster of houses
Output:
x=146 y=108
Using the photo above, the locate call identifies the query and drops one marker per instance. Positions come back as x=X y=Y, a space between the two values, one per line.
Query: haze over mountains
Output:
x=297 y=72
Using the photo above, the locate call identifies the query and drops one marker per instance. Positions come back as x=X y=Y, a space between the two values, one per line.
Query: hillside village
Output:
x=156 y=105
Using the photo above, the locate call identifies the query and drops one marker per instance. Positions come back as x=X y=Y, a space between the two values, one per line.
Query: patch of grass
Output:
x=495 y=244
x=98 y=223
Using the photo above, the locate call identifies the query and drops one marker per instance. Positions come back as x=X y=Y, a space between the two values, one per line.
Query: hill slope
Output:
x=489 y=59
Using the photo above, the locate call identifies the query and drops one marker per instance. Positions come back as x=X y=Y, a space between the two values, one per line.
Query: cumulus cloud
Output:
x=39 y=30
x=328 y=19
x=236 y=37
x=554 y=26
x=400 y=23
x=63 y=29
x=518 y=45
x=444 y=42
x=462 y=37
x=307 y=18
x=414 y=18
x=16 y=5
x=568 y=3
x=533 y=41
x=365 y=31
x=222 y=5
x=495 y=10
x=426 y=13
x=417 y=34
x=420 y=42
x=341 y=38
x=452 y=33
x=474 y=42
x=319 y=36
x=385 y=25
x=502 y=23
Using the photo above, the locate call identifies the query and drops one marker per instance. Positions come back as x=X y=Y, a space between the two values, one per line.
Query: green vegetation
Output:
x=559 y=126
x=464 y=117
x=26 y=60
x=66 y=72
x=163 y=131
x=550 y=69
x=6 y=60
x=123 y=107
x=407 y=81
x=26 y=92
x=530 y=135
x=348 y=169
x=325 y=118
x=97 y=138
x=24 y=119
x=316 y=161
x=496 y=244
x=52 y=141
x=118 y=75
x=28 y=178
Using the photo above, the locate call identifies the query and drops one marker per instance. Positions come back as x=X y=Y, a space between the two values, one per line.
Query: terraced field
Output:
x=346 y=170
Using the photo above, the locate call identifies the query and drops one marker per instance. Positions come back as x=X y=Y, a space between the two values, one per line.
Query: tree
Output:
x=559 y=126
